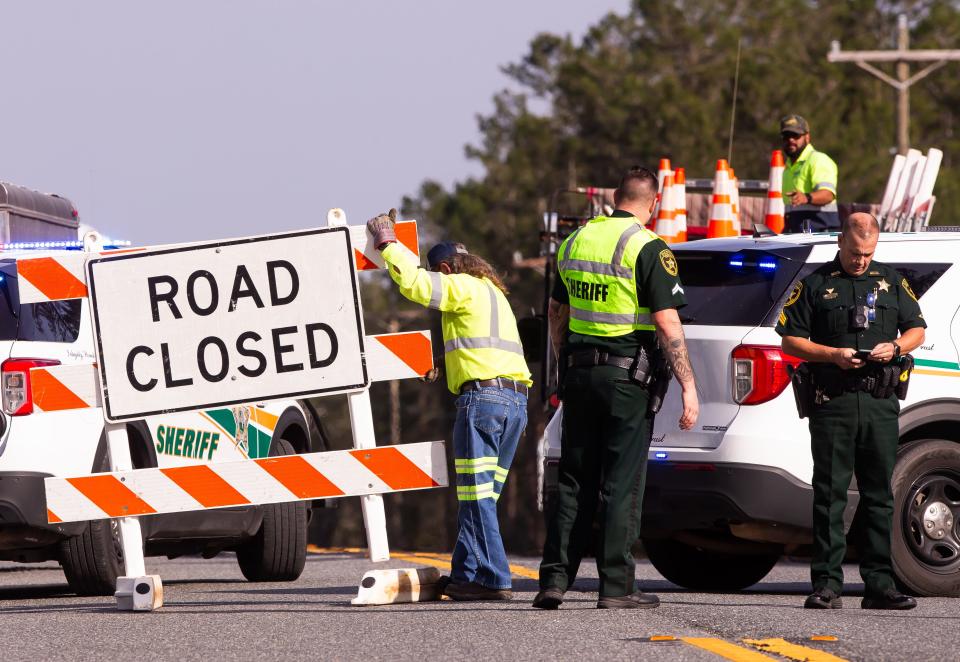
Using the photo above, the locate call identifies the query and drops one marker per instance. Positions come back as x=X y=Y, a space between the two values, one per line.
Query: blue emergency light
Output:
x=71 y=245
x=764 y=263
x=767 y=264
x=660 y=455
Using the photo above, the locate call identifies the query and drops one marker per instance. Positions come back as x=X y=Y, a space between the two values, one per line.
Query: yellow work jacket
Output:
x=480 y=337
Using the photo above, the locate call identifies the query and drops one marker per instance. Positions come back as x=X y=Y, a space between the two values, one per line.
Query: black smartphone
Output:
x=861 y=354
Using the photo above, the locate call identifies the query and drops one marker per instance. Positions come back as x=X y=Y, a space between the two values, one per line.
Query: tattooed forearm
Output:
x=679 y=358
x=558 y=317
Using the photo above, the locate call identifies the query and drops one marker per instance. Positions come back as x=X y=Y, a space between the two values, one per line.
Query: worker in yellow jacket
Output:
x=487 y=372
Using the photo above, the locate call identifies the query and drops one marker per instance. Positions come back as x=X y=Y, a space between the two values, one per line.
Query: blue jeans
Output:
x=489 y=423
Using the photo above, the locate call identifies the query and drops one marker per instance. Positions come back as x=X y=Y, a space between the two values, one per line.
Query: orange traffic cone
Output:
x=773 y=214
x=662 y=173
x=735 y=199
x=721 y=222
x=666 y=215
x=680 y=205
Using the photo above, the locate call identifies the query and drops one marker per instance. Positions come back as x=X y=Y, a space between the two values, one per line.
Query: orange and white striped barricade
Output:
x=143 y=341
x=722 y=222
x=775 y=209
x=279 y=479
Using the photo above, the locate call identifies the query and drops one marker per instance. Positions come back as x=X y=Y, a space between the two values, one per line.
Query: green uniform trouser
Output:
x=853 y=434
x=606 y=436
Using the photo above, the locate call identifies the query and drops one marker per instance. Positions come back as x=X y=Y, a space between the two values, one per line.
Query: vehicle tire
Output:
x=93 y=560
x=278 y=552
x=707 y=570
x=926 y=511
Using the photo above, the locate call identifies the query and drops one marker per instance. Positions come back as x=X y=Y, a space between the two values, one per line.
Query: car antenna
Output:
x=761 y=230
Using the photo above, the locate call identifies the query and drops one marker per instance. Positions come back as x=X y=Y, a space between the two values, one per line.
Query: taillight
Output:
x=15 y=382
x=760 y=373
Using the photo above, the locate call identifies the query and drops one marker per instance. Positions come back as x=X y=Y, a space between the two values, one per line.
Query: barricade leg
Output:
x=374 y=517
x=136 y=591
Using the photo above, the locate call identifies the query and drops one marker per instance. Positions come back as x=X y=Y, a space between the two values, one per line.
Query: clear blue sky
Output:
x=184 y=121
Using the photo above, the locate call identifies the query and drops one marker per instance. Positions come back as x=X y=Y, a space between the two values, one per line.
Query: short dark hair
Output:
x=638 y=184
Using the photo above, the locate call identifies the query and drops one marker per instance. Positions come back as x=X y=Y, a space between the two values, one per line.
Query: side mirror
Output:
x=531 y=336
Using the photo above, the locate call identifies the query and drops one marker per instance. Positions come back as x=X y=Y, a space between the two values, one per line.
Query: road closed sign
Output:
x=224 y=323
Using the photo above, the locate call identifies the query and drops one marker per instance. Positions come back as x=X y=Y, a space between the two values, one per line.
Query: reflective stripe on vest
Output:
x=436 y=295
x=493 y=341
x=829 y=207
x=623 y=312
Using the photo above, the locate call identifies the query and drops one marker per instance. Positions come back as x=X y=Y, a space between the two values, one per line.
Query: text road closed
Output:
x=237 y=321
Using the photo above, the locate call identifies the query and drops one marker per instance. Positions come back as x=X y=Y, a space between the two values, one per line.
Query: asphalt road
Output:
x=210 y=612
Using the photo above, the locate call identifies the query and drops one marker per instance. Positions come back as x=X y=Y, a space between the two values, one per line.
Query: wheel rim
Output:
x=115 y=539
x=930 y=520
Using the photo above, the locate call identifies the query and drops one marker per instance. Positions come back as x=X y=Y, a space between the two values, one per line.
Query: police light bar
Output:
x=72 y=245
x=764 y=263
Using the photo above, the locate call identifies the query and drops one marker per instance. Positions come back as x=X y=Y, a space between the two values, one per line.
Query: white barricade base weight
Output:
x=279 y=479
x=387 y=587
x=143 y=593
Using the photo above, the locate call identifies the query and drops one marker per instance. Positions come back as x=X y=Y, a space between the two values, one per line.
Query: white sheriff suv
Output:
x=270 y=541
x=725 y=501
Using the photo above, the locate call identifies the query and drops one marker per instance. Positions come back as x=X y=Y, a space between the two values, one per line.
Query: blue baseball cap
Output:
x=443 y=251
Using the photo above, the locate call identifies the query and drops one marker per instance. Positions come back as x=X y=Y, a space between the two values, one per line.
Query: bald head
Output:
x=861 y=224
x=858 y=242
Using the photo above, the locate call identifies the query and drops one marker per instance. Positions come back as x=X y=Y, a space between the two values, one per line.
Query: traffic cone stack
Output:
x=674 y=230
x=666 y=215
x=735 y=199
x=662 y=173
x=722 y=222
x=775 y=210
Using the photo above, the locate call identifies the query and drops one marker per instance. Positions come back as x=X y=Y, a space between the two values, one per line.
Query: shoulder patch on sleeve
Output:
x=669 y=262
x=906 y=286
x=795 y=294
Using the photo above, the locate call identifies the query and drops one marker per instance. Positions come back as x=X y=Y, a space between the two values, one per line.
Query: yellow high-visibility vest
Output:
x=598 y=265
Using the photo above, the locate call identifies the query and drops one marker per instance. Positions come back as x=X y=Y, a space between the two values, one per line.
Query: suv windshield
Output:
x=740 y=288
x=53 y=321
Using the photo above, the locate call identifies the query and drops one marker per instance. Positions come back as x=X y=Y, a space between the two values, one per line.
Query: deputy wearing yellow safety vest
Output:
x=809 y=181
x=617 y=295
x=485 y=367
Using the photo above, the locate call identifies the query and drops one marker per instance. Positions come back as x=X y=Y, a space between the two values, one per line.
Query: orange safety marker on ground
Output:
x=775 y=209
x=248 y=482
x=722 y=222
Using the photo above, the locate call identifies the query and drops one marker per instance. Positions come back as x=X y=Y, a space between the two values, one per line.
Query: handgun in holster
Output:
x=656 y=379
x=903 y=381
x=801 y=379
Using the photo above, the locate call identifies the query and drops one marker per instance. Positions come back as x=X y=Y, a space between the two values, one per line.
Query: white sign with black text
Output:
x=230 y=322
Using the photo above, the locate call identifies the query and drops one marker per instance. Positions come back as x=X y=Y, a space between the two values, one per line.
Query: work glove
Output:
x=381 y=229
x=431 y=375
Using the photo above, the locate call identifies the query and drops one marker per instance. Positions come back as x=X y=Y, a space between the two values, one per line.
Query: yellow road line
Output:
x=429 y=558
x=725 y=649
x=793 y=651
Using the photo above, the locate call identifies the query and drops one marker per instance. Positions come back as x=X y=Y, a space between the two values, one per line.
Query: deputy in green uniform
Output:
x=849 y=319
x=618 y=292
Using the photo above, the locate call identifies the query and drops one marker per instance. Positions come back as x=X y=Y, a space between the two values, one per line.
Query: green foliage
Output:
x=657 y=82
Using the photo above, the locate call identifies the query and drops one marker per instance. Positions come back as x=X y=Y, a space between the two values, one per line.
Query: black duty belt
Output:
x=593 y=357
x=501 y=382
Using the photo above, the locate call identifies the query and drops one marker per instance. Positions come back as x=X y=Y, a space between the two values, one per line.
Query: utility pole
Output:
x=902 y=57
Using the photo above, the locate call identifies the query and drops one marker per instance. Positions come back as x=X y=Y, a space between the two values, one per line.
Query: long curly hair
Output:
x=465 y=263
